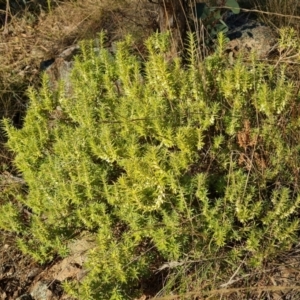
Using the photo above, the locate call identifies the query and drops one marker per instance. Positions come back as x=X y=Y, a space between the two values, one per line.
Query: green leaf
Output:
x=221 y=27
x=234 y=6
x=201 y=10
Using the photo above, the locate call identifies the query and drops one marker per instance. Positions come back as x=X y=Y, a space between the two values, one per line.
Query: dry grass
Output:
x=276 y=280
x=278 y=13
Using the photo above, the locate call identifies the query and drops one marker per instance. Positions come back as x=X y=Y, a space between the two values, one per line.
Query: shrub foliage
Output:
x=159 y=162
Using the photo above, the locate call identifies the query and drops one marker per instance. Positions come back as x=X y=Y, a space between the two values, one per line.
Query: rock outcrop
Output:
x=247 y=35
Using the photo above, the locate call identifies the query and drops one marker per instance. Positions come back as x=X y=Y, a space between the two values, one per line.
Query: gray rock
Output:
x=40 y=291
x=60 y=69
x=247 y=35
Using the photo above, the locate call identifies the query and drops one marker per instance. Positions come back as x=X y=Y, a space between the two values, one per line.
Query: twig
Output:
x=231 y=281
x=262 y=12
x=5 y=31
x=7 y=178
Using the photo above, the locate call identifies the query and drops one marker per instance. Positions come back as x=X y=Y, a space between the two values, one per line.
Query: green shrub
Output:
x=161 y=163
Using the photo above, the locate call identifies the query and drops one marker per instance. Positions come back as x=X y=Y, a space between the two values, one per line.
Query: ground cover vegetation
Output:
x=179 y=168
